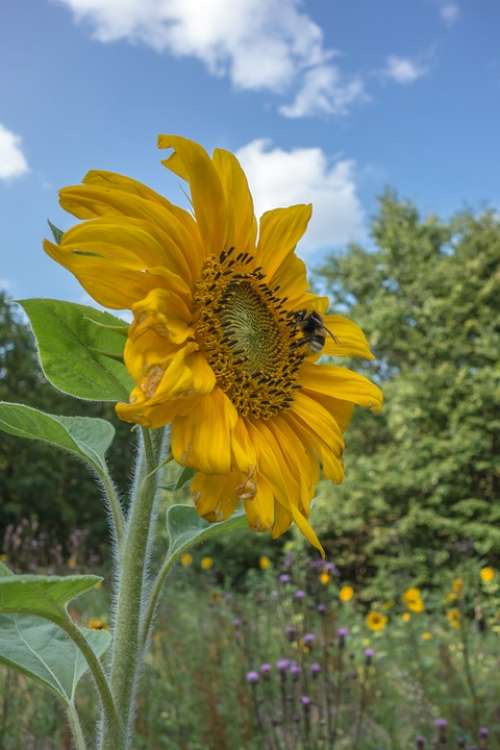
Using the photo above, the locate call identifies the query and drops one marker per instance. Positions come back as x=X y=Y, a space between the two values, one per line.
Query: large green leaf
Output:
x=80 y=349
x=43 y=651
x=186 y=528
x=84 y=437
x=46 y=596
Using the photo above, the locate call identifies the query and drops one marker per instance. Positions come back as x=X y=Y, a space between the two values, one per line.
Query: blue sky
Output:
x=324 y=101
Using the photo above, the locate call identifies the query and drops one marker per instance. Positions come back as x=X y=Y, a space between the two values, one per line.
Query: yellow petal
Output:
x=241 y=227
x=216 y=496
x=282 y=520
x=350 y=339
x=260 y=509
x=341 y=411
x=192 y=163
x=280 y=230
x=243 y=450
x=202 y=439
x=182 y=246
x=341 y=383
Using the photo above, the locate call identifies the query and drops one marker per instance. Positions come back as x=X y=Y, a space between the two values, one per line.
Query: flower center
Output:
x=248 y=336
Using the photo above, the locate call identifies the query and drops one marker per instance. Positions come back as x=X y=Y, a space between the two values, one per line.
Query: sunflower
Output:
x=376 y=620
x=487 y=574
x=453 y=617
x=217 y=346
x=96 y=623
x=412 y=599
x=346 y=593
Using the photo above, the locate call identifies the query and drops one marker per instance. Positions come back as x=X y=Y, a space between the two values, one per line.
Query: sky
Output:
x=323 y=101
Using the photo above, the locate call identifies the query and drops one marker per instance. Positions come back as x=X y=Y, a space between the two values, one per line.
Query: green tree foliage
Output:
x=422 y=481
x=35 y=480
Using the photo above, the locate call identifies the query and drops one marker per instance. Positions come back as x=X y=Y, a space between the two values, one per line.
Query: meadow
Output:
x=295 y=658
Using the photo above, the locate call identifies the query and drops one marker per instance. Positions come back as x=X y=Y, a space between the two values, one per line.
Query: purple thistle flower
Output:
x=305 y=700
x=329 y=567
x=369 y=654
x=315 y=669
x=299 y=595
x=252 y=677
x=342 y=633
x=322 y=609
x=284 y=578
x=420 y=743
x=282 y=665
x=441 y=723
x=291 y=633
x=295 y=670
x=484 y=733
x=237 y=622
x=265 y=670
x=309 y=639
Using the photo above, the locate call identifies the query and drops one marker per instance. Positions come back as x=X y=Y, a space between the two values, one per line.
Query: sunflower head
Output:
x=346 y=593
x=225 y=336
x=376 y=621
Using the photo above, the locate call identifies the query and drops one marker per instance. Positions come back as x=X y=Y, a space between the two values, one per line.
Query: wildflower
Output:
x=426 y=635
x=219 y=345
x=321 y=609
x=412 y=599
x=295 y=671
x=237 y=622
x=315 y=669
x=484 y=733
x=406 y=617
x=96 y=623
x=290 y=633
x=487 y=574
x=265 y=670
x=282 y=665
x=324 y=578
x=284 y=578
x=186 y=559
x=305 y=701
x=453 y=616
x=420 y=743
x=299 y=595
x=369 y=654
x=346 y=593
x=342 y=634
x=4 y=557
x=72 y=562
x=441 y=726
x=252 y=677
x=264 y=562
x=376 y=620
x=308 y=640
x=207 y=563
x=457 y=586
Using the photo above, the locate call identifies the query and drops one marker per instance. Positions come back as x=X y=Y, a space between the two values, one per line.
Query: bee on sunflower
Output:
x=226 y=334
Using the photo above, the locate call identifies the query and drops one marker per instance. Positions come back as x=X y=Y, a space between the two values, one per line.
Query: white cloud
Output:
x=325 y=91
x=450 y=13
x=403 y=70
x=260 y=44
x=12 y=160
x=305 y=175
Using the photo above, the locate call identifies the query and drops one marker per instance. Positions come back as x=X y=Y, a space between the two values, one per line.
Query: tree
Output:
x=422 y=486
x=35 y=480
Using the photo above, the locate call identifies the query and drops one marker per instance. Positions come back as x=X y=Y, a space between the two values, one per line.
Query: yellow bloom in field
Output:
x=186 y=559
x=96 y=623
x=453 y=616
x=457 y=586
x=406 y=617
x=264 y=562
x=346 y=593
x=207 y=563
x=487 y=574
x=412 y=599
x=324 y=578
x=426 y=635
x=4 y=557
x=376 y=620
x=226 y=333
x=451 y=597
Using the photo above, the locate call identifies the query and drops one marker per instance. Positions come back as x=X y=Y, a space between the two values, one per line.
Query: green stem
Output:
x=115 y=508
x=108 y=704
x=127 y=644
x=155 y=595
x=76 y=727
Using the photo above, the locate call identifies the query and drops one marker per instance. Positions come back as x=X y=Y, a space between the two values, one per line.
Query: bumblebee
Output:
x=314 y=331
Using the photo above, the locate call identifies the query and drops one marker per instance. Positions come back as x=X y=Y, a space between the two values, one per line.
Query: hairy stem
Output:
x=127 y=643
x=76 y=727
x=115 y=509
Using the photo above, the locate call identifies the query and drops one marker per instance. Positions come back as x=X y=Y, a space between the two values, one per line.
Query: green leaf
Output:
x=185 y=476
x=43 y=651
x=4 y=570
x=56 y=232
x=186 y=528
x=84 y=437
x=78 y=346
x=45 y=596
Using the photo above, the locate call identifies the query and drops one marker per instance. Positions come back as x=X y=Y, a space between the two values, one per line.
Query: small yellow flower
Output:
x=457 y=585
x=324 y=578
x=487 y=574
x=346 y=593
x=264 y=562
x=426 y=636
x=4 y=557
x=406 y=617
x=186 y=559
x=453 y=616
x=72 y=562
x=451 y=597
x=96 y=623
x=207 y=563
x=412 y=599
x=376 y=620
